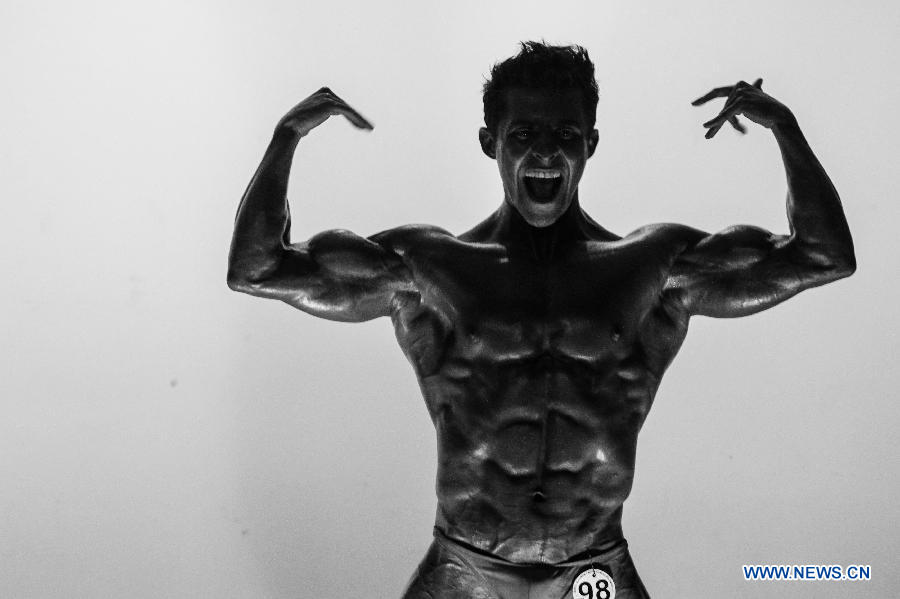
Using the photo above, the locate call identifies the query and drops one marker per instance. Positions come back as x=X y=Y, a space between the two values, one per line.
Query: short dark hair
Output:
x=542 y=66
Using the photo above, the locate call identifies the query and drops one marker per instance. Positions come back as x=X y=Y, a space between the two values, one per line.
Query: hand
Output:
x=315 y=110
x=749 y=100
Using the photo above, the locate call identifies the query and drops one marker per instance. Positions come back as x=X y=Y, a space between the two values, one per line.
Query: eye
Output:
x=522 y=134
x=566 y=134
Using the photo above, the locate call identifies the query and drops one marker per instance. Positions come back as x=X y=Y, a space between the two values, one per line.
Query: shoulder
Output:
x=689 y=237
x=666 y=241
x=401 y=239
x=684 y=243
x=669 y=234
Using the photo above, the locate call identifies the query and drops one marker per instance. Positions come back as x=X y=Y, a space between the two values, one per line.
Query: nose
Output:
x=545 y=149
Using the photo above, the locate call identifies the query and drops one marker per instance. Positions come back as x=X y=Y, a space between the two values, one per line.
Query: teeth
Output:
x=543 y=173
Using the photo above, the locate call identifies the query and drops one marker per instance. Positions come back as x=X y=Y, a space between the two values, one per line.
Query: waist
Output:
x=609 y=551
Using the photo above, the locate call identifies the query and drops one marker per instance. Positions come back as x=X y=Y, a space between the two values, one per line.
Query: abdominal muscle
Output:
x=534 y=460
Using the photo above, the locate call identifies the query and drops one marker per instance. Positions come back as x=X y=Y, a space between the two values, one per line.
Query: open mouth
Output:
x=543 y=184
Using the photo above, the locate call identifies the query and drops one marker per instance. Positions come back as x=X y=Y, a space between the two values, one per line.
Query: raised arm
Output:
x=336 y=274
x=745 y=269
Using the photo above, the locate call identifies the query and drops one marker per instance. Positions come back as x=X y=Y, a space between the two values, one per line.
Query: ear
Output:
x=488 y=143
x=593 y=138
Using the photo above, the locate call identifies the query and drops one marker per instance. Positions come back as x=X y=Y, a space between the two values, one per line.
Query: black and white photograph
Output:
x=473 y=300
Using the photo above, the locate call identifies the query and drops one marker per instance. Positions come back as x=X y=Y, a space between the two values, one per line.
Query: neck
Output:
x=542 y=243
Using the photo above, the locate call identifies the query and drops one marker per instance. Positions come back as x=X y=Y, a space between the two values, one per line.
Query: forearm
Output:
x=263 y=219
x=818 y=226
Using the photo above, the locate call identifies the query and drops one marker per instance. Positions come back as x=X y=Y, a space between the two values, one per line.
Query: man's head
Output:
x=539 y=111
x=541 y=66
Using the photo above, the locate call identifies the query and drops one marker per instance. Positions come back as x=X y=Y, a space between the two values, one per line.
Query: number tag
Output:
x=594 y=584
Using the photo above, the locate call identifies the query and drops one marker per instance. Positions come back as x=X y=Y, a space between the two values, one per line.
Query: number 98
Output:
x=586 y=590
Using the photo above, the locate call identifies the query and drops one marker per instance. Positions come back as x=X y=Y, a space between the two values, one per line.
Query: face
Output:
x=541 y=145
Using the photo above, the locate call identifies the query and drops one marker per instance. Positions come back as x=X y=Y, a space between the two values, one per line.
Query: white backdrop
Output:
x=165 y=437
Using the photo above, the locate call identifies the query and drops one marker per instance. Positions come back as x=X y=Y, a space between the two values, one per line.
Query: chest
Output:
x=583 y=305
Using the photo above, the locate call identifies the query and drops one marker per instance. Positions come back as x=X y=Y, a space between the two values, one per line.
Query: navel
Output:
x=615 y=334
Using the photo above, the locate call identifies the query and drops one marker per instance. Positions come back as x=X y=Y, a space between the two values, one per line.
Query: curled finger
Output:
x=719 y=92
x=712 y=131
x=727 y=112
x=352 y=115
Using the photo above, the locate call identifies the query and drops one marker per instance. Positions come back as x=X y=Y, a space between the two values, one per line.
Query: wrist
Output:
x=285 y=135
x=786 y=126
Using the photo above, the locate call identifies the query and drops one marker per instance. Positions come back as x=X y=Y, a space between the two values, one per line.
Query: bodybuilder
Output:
x=538 y=337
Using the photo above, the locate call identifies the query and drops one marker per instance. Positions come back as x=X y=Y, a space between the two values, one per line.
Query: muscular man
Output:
x=538 y=337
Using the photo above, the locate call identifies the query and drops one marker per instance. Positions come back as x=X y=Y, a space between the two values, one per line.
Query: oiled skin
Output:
x=538 y=374
x=538 y=349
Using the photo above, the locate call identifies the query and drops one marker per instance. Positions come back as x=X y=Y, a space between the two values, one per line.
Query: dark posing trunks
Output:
x=453 y=570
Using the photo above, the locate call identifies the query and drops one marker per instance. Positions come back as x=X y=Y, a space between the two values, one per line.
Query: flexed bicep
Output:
x=336 y=275
x=739 y=271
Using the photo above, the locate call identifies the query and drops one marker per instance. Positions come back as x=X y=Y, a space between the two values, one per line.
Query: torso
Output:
x=538 y=375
